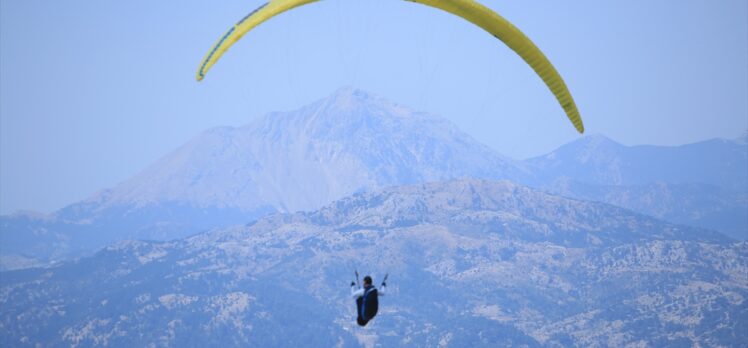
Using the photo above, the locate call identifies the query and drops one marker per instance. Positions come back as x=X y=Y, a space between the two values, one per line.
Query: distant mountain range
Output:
x=597 y=160
x=354 y=141
x=472 y=263
x=703 y=184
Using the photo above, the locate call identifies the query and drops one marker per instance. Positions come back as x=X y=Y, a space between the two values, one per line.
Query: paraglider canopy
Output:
x=469 y=10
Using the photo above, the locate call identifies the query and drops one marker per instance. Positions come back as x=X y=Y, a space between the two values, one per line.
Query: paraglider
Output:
x=469 y=10
x=367 y=299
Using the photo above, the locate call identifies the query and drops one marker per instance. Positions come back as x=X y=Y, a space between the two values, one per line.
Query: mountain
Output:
x=355 y=141
x=703 y=184
x=352 y=141
x=598 y=160
x=698 y=205
x=471 y=263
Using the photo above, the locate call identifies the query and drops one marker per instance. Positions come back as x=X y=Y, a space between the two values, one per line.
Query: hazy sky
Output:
x=92 y=92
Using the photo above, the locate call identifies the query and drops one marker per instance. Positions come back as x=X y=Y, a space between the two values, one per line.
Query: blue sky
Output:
x=91 y=92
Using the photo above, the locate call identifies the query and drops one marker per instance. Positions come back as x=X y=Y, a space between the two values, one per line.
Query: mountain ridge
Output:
x=498 y=272
x=337 y=137
x=600 y=160
x=355 y=141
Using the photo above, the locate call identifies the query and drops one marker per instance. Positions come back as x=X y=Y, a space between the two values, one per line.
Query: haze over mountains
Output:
x=248 y=236
x=473 y=263
x=703 y=184
x=598 y=160
x=354 y=141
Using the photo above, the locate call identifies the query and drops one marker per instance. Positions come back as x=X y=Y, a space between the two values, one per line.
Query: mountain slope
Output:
x=354 y=141
x=703 y=184
x=472 y=263
x=350 y=142
x=599 y=160
x=698 y=205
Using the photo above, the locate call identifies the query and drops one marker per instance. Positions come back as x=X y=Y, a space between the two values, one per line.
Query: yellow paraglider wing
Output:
x=505 y=31
x=253 y=19
x=470 y=10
